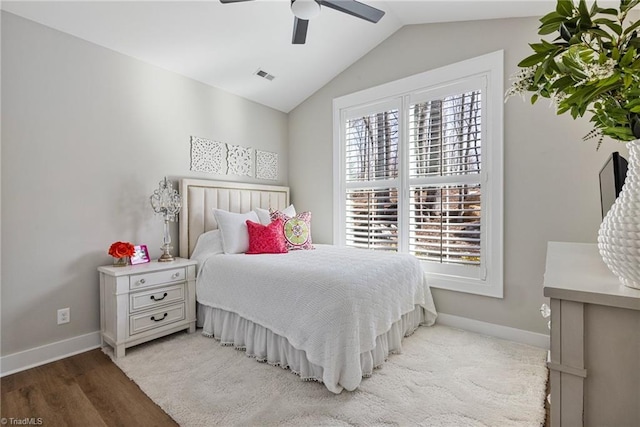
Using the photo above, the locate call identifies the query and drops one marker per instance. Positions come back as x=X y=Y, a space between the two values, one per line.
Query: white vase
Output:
x=619 y=234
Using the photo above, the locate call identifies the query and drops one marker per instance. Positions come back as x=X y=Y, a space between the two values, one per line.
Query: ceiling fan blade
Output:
x=299 y=31
x=355 y=8
x=232 y=1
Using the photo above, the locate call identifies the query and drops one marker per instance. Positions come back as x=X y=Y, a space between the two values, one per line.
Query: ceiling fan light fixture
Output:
x=305 y=9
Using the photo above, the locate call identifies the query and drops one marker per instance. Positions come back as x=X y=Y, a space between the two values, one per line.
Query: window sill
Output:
x=467 y=285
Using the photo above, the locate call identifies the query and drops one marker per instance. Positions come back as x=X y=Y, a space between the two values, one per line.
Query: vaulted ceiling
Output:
x=224 y=45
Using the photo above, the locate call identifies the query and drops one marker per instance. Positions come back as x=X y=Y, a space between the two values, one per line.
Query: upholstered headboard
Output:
x=200 y=197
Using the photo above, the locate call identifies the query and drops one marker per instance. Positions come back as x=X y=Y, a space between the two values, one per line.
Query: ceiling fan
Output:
x=304 y=10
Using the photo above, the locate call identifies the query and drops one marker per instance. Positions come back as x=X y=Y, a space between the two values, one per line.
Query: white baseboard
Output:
x=16 y=362
x=504 y=332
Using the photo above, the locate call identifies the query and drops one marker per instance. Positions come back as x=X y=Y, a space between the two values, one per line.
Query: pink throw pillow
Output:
x=266 y=239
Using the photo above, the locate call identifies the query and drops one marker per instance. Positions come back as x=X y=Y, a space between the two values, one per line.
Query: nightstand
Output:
x=143 y=302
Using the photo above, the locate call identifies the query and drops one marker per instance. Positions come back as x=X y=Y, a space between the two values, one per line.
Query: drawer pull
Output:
x=175 y=275
x=153 y=297
x=142 y=281
x=158 y=320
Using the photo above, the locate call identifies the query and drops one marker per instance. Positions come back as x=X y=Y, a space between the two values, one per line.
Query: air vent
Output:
x=265 y=75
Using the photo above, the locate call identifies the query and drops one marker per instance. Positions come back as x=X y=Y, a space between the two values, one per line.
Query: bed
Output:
x=329 y=314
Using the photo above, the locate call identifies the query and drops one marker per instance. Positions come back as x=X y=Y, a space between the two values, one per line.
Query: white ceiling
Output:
x=223 y=45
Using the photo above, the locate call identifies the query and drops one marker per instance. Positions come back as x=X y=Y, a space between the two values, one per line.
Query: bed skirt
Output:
x=265 y=346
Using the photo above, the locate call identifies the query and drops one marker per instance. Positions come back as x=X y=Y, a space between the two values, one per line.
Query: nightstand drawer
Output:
x=137 y=281
x=143 y=300
x=156 y=318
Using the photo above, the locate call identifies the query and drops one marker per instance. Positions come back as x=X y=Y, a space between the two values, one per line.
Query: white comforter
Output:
x=331 y=302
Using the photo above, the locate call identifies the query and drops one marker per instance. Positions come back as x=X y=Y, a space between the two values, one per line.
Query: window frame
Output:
x=402 y=93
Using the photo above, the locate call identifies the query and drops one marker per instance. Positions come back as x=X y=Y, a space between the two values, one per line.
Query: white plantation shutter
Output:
x=444 y=224
x=372 y=147
x=445 y=136
x=413 y=172
x=445 y=164
x=372 y=218
x=371 y=177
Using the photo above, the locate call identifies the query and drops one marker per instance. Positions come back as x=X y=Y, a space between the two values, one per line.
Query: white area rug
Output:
x=444 y=377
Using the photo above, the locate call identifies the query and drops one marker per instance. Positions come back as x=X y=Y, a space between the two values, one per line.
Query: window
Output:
x=371 y=167
x=419 y=170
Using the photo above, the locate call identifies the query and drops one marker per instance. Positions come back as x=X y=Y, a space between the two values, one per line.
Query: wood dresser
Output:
x=594 y=360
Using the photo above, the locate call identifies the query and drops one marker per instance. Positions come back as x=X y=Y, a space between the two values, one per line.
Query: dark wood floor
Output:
x=83 y=390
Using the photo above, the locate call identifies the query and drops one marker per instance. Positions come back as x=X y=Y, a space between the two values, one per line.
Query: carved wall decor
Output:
x=239 y=160
x=266 y=165
x=207 y=156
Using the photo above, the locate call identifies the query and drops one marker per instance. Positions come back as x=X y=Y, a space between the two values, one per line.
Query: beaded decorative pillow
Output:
x=266 y=239
x=296 y=229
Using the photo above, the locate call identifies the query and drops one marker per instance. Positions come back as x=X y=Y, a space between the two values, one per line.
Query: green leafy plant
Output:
x=593 y=65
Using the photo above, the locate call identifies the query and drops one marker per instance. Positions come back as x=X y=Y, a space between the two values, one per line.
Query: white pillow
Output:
x=233 y=226
x=265 y=215
x=209 y=243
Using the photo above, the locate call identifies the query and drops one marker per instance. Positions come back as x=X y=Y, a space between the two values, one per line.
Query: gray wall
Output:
x=87 y=134
x=551 y=176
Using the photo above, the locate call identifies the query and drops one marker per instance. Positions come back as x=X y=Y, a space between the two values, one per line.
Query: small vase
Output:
x=121 y=262
x=619 y=234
